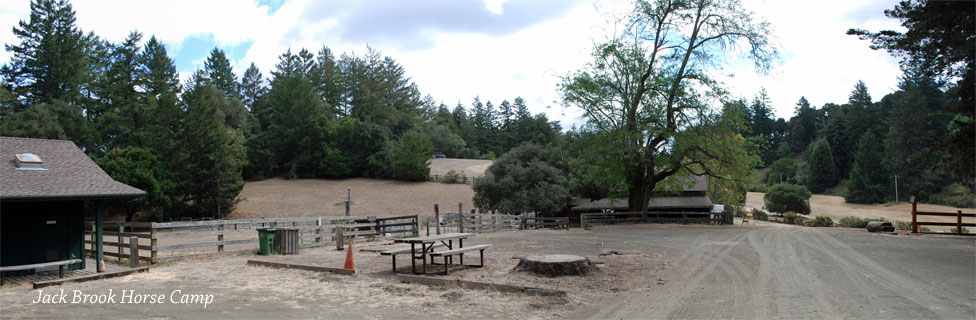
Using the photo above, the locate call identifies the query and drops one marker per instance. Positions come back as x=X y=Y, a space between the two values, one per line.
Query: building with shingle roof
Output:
x=692 y=198
x=44 y=188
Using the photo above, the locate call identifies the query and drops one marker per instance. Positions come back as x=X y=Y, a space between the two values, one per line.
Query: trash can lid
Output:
x=266 y=229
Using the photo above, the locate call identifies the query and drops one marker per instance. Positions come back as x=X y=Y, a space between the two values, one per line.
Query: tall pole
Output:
x=896 y=188
x=348 y=199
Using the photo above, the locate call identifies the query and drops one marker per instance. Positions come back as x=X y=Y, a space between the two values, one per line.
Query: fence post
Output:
x=460 y=217
x=119 y=245
x=437 y=220
x=134 y=252
x=220 y=237
x=914 y=210
x=959 y=221
x=152 y=243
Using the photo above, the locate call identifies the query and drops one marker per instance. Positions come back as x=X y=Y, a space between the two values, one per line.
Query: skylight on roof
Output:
x=28 y=161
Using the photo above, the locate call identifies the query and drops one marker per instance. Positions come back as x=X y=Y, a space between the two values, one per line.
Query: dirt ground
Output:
x=469 y=167
x=664 y=271
x=279 y=198
x=835 y=208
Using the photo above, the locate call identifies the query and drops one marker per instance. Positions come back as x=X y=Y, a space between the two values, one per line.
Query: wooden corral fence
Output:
x=452 y=179
x=166 y=241
x=589 y=219
x=488 y=222
x=958 y=215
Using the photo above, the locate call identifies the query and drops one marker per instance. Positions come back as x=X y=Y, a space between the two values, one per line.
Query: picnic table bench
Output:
x=61 y=264
x=426 y=248
x=396 y=252
x=460 y=253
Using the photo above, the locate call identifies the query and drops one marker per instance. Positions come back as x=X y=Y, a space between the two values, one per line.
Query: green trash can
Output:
x=266 y=241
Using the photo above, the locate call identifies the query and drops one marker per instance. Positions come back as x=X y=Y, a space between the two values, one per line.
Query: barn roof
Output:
x=68 y=173
x=657 y=203
x=693 y=198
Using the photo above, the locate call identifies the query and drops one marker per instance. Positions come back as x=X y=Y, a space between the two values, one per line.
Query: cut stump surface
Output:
x=556 y=265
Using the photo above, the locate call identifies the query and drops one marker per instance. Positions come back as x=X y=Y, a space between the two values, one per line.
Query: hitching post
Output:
x=134 y=252
x=99 y=255
x=437 y=219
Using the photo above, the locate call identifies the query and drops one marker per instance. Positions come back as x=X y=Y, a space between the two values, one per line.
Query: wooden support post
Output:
x=318 y=230
x=460 y=217
x=437 y=219
x=220 y=237
x=339 y=237
x=348 y=199
x=914 y=211
x=959 y=221
x=134 y=252
x=119 y=245
x=152 y=243
x=99 y=254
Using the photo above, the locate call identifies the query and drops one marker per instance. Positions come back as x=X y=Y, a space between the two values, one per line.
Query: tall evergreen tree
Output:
x=212 y=154
x=220 y=74
x=821 y=170
x=868 y=182
x=803 y=126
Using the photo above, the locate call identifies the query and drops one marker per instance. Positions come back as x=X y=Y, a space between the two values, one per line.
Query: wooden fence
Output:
x=165 y=241
x=449 y=179
x=958 y=215
x=589 y=219
x=485 y=222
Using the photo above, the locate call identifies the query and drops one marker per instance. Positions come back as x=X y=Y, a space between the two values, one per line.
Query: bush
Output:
x=852 y=222
x=760 y=215
x=790 y=217
x=964 y=230
x=452 y=177
x=787 y=197
x=527 y=178
x=823 y=222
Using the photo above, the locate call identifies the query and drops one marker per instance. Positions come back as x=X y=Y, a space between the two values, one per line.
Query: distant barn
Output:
x=693 y=198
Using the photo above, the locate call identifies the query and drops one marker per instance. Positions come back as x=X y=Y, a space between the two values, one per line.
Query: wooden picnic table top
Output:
x=435 y=238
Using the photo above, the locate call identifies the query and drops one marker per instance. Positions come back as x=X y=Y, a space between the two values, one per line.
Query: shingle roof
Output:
x=70 y=173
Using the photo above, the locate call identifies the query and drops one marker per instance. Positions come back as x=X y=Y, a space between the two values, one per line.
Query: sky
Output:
x=455 y=50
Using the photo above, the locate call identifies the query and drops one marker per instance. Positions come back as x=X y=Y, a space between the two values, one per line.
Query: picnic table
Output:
x=427 y=245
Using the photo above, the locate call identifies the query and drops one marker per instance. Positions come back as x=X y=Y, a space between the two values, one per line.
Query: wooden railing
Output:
x=165 y=241
x=589 y=219
x=485 y=222
x=460 y=179
x=958 y=215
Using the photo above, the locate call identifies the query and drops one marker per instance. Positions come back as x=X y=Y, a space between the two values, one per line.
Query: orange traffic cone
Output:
x=906 y=229
x=350 y=264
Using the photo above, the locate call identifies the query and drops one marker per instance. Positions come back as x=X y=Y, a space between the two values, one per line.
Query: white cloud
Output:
x=822 y=63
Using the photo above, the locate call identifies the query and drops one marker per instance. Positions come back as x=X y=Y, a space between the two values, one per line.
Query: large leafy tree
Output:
x=527 y=178
x=939 y=42
x=644 y=86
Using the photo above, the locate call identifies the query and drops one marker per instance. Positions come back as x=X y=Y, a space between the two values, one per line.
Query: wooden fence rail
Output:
x=165 y=241
x=485 y=222
x=958 y=224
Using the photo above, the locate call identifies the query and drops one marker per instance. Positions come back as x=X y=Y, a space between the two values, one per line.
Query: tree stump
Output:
x=556 y=265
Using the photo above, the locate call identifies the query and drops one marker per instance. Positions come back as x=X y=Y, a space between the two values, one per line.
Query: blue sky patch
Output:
x=273 y=5
x=195 y=49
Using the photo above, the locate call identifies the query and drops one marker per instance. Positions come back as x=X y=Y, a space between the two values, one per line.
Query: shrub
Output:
x=822 y=221
x=527 y=178
x=789 y=217
x=964 y=230
x=787 y=197
x=852 y=222
x=452 y=177
x=760 y=215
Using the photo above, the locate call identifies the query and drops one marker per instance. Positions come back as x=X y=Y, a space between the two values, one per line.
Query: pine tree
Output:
x=821 y=171
x=803 y=126
x=212 y=155
x=221 y=75
x=868 y=182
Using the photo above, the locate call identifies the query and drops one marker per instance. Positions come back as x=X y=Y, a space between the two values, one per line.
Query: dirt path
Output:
x=836 y=208
x=795 y=272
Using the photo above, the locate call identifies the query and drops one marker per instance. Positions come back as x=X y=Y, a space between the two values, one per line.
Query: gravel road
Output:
x=780 y=271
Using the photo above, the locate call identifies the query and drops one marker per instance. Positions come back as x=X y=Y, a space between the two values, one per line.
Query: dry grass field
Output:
x=279 y=198
x=835 y=208
x=469 y=167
